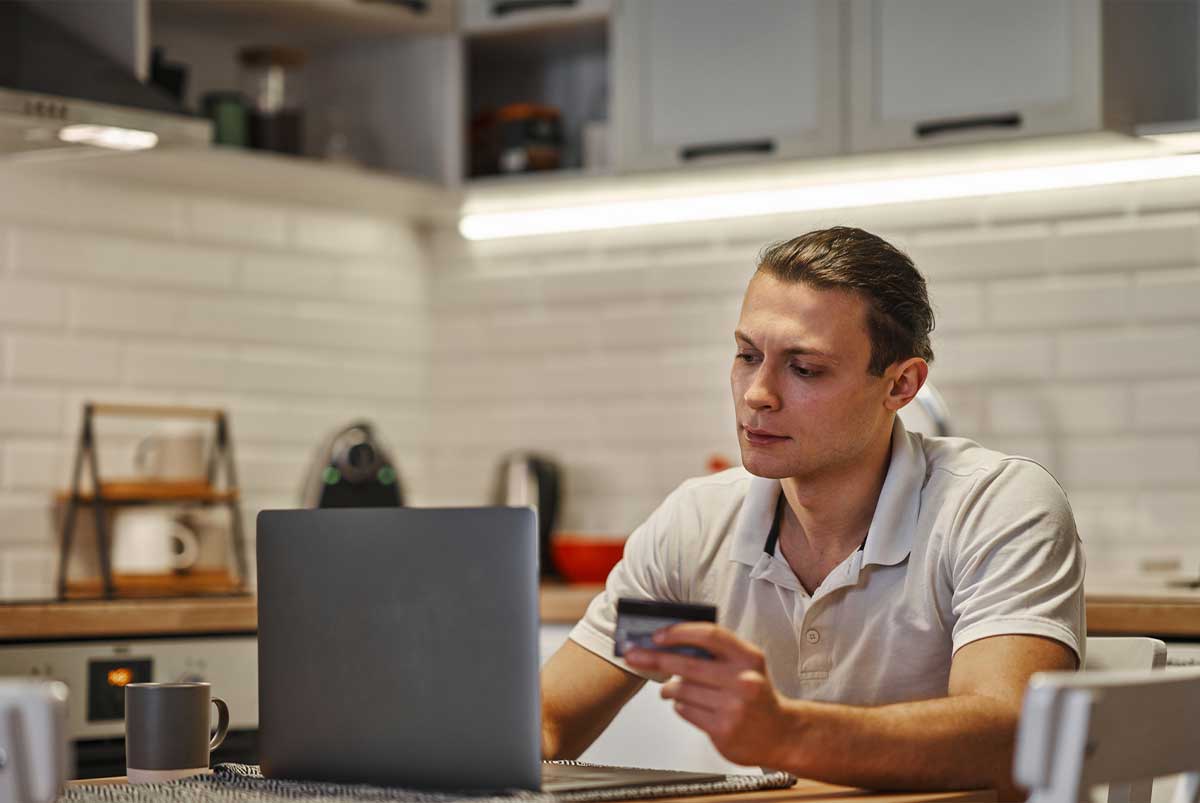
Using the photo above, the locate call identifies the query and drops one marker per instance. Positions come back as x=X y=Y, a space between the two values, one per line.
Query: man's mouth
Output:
x=762 y=437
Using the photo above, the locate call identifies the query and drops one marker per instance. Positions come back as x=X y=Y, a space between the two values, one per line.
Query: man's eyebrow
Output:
x=740 y=335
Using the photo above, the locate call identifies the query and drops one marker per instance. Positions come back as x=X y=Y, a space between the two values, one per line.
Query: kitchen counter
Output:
x=560 y=604
x=1112 y=609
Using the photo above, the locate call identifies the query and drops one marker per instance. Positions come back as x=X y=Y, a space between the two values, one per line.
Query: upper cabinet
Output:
x=932 y=72
x=696 y=81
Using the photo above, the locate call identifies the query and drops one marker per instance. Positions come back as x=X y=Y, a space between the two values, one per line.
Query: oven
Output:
x=96 y=671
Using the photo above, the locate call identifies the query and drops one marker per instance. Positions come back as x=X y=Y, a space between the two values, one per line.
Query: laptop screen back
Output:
x=399 y=647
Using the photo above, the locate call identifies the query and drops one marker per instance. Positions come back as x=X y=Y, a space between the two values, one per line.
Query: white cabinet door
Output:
x=700 y=80
x=931 y=72
x=487 y=16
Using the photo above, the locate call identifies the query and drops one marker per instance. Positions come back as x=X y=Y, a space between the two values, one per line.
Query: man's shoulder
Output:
x=957 y=466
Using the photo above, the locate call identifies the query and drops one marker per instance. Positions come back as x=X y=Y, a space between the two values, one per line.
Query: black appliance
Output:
x=352 y=469
x=525 y=478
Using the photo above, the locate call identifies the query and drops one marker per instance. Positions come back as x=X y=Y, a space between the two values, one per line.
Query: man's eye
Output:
x=746 y=356
x=800 y=370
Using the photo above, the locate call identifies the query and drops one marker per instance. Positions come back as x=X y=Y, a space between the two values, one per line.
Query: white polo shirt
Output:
x=965 y=543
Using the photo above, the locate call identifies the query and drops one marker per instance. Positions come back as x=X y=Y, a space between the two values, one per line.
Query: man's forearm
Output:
x=963 y=742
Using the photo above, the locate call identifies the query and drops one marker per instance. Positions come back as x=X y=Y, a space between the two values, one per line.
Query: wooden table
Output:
x=804 y=790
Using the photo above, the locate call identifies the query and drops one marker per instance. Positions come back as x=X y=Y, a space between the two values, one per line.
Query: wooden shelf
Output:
x=197 y=582
x=149 y=491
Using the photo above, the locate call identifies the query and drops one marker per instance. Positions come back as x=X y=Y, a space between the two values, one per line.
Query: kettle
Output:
x=525 y=478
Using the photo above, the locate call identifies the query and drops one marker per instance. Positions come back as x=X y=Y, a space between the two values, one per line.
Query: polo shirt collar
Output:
x=893 y=526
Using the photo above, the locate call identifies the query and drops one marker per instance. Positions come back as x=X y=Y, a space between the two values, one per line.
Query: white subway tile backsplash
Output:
x=105 y=258
x=1135 y=353
x=1168 y=516
x=30 y=412
x=1170 y=406
x=1131 y=463
x=993 y=357
x=237 y=222
x=94 y=309
x=62 y=359
x=55 y=202
x=41 y=465
x=1168 y=195
x=981 y=253
x=276 y=275
x=957 y=306
x=1104 y=517
x=1127 y=243
x=1061 y=409
x=31 y=303
x=1167 y=295
x=170 y=367
x=28 y=573
x=343 y=234
x=1054 y=302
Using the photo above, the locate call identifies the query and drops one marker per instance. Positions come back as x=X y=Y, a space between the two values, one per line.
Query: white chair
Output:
x=1080 y=729
x=1125 y=652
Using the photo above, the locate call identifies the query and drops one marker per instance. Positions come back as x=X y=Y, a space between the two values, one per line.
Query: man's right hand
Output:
x=581 y=694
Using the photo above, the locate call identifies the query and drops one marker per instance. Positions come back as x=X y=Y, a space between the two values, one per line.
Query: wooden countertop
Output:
x=561 y=604
x=1111 y=610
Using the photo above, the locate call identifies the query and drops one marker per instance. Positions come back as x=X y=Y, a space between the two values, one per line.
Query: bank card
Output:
x=638 y=619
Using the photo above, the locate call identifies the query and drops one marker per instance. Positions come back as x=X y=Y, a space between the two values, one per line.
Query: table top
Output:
x=804 y=790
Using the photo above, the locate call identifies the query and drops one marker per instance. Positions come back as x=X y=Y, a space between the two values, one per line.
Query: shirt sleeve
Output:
x=648 y=569
x=1017 y=565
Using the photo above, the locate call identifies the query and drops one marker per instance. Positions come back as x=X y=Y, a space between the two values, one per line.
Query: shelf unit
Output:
x=106 y=494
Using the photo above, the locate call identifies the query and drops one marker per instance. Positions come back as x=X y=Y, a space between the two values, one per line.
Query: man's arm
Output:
x=964 y=741
x=581 y=693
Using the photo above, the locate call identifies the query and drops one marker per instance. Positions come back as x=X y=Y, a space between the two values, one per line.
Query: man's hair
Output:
x=899 y=318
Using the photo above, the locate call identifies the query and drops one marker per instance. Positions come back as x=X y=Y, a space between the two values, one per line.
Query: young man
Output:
x=883 y=597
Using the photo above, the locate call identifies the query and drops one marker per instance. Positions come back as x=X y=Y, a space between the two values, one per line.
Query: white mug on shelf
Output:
x=33 y=739
x=173 y=453
x=152 y=540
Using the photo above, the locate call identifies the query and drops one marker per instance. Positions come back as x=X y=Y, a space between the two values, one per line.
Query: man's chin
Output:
x=766 y=468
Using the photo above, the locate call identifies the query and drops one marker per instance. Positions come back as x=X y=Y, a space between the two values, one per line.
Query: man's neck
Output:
x=831 y=514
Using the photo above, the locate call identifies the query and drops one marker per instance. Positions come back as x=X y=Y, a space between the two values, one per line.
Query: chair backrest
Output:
x=1080 y=729
x=1125 y=652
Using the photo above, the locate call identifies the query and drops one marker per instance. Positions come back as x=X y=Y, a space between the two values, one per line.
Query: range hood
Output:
x=57 y=91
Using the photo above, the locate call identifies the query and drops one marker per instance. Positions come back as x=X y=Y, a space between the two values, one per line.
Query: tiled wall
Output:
x=1068 y=330
x=295 y=320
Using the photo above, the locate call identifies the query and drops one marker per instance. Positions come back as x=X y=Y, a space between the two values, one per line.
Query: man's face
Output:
x=804 y=401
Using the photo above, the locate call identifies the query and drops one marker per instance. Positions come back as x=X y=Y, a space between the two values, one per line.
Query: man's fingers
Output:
x=702 y=718
x=695 y=694
x=717 y=640
x=698 y=670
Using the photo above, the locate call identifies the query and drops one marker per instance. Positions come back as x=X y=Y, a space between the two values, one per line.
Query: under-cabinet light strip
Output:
x=726 y=205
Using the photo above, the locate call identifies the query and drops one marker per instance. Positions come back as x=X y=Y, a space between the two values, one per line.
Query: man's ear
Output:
x=907 y=377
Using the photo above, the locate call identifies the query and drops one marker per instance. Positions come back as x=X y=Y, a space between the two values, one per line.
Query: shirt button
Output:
x=812 y=636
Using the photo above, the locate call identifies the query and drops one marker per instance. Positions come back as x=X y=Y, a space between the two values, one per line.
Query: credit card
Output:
x=638 y=619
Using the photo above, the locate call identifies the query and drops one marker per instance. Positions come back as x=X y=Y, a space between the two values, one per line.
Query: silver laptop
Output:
x=399 y=647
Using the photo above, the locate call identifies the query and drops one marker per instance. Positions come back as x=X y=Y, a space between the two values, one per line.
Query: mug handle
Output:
x=182 y=532
x=222 y=723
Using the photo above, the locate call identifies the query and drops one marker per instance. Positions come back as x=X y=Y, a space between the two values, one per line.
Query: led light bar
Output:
x=107 y=136
x=727 y=205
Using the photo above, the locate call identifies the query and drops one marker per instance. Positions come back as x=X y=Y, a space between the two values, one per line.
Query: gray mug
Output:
x=166 y=730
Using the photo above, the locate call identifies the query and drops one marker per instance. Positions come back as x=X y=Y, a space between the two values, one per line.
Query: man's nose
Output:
x=761 y=394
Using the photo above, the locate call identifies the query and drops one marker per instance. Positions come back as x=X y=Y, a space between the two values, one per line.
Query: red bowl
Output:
x=585 y=559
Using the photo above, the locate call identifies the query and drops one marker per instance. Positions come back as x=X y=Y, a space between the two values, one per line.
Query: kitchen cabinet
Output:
x=702 y=80
x=933 y=72
x=490 y=16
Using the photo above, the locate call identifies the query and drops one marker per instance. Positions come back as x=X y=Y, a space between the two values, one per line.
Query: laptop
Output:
x=399 y=647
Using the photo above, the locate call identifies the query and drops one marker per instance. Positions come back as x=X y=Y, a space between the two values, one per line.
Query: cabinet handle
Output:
x=415 y=6
x=503 y=7
x=932 y=128
x=689 y=152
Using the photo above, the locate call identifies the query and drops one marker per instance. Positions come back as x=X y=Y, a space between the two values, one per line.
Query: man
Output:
x=883 y=597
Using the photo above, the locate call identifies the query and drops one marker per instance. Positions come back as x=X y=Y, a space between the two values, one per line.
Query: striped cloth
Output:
x=242 y=783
